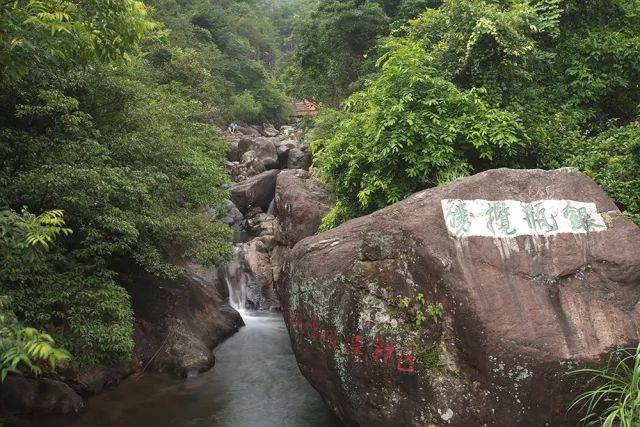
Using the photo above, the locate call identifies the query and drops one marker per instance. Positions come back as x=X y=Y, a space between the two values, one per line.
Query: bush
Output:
x=612 y=159
x=480 y=84
x=245 y=108
x=409 y=130
x=24 y=239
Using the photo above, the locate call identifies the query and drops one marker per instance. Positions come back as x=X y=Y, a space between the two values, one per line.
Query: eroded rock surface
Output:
x=256 y=191
x=178 y=322
x=298 y=159
x=25 y=395
x=264 y=149
x=301 y=203
x=502 y=320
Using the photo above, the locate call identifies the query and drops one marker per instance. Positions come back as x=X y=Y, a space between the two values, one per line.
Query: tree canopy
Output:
x=109 y=111
x=478 y=84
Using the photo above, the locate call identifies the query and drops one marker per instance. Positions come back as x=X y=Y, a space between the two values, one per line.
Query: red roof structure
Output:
x=305 y=108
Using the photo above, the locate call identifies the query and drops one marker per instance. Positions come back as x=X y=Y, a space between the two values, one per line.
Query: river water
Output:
x=255 y=382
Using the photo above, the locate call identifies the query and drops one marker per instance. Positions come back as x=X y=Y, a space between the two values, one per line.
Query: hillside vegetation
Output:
x=109 y=114
x=472 y=85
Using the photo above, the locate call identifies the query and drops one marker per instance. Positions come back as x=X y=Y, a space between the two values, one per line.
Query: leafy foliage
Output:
x=332 y=40
x=37 y=33
x=615 y=398
x=127 y=148
x=409 y=129
x=226 y=53
x=23 y=238
x=333 y=44
x=479 y=84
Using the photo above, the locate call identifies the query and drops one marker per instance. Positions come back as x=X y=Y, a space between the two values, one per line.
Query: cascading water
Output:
x=272 y=207
x=236 y=278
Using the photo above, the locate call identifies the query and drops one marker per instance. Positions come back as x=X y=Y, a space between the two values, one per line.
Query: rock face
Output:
x=264 y=149
x=301 y=203
x=298 y=159
x=502 y=319
x=256 y=191
x=268 y=130
x=179 y=321
x=20 y=394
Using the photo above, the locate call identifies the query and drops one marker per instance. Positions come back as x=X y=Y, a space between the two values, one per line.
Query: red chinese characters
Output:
x=382 y=351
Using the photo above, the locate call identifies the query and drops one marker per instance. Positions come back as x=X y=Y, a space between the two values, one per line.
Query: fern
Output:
x=26 y=348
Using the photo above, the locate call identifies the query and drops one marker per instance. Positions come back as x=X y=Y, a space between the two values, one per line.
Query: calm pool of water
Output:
x=255 y=382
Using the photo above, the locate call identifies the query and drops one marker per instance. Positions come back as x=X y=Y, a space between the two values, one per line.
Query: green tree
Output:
x=333 y=44
x=332 y=41
x=479 y=84
x=37 y=32
x=24 y=238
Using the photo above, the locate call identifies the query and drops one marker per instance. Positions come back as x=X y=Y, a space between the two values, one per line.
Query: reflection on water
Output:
x=255 y=382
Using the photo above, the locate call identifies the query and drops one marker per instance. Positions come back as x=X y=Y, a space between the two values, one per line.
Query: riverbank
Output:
x=255 y=382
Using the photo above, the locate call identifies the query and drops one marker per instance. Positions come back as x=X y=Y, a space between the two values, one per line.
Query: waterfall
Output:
x=272 y=207
x=236 y=279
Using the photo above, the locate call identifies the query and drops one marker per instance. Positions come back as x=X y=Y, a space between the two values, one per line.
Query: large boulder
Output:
x=268 y=130
x=178 y=322
x=449 y=309
x=247 y=130
x=265 y=150
x=255 y=191
x=301 y=203
x=283 y=147
x=232 y=215
x=91 y=380
x=249 y=165
x=233 y=155
x=19 y=394
x=298 y=159
x=260 y=290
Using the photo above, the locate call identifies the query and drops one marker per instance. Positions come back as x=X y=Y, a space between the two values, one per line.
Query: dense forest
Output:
x=111 y=114
x=109 y=143
x=462 y=87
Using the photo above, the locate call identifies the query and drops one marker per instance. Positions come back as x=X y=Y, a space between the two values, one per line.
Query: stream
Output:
x=255 y=382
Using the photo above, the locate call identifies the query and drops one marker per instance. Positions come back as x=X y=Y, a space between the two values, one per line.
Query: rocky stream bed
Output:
x=463 y=305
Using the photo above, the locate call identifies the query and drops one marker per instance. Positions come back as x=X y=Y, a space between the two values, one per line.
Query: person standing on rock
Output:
x=232 y=127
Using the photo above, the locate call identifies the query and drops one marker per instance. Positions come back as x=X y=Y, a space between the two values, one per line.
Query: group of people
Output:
x=233 y=126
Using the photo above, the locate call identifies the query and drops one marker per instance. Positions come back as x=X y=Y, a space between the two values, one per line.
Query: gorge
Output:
x=320 y=213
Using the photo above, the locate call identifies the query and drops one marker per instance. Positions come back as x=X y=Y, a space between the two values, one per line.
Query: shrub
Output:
x=615 y=398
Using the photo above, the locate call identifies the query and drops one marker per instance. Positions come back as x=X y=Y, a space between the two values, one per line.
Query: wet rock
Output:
x=283 y=147
x=298 y=159
x=261 y=224
x=264 y=150
x=91 y=380
x=301 y=203
x=19 y=394
x=256 y=191
x=233 y=155
x=232 y=214
x=501 y=319
x=178 y=322
x=278 y=258
x=261 y=291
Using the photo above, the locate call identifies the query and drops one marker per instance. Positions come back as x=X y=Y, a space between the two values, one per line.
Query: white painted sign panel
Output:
x=510 y=218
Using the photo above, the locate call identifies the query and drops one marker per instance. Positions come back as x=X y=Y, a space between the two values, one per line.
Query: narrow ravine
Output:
x=255 y=382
